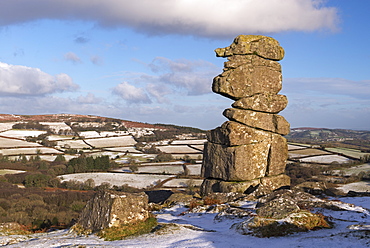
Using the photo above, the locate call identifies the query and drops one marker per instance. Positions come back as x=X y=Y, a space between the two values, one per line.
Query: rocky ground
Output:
x=233 y=224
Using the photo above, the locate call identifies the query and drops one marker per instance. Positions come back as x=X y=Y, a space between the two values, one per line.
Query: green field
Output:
x=348 y=152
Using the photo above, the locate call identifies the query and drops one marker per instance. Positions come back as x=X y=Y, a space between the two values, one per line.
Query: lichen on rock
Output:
x=248 y=152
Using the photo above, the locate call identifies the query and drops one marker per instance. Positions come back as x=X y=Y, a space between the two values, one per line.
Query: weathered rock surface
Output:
x=265 y=121
x=235 y=84
x=269 y=103
x=111 y=208
x=262 y=46
x=278 y=155
x=232 y=133
x=248 y=153
x=235 y=163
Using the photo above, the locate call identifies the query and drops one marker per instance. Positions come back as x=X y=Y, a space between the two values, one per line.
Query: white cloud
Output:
x=70 y=56
x=158 y=91
x=195 y=77
x=23 y=80
x=327 y=102
x=328 y=86
x=207 y=18
x=131 y=93
x=96 y=60
x=90 y=98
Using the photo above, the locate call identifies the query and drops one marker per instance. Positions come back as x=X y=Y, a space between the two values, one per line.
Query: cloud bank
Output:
x=206 y=18
x=18 y=80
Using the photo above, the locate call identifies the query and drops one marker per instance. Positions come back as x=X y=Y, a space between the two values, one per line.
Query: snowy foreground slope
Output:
x=202 y=230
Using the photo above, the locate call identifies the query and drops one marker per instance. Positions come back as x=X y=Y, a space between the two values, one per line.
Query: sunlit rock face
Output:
x=111 y=208
x=248 y=151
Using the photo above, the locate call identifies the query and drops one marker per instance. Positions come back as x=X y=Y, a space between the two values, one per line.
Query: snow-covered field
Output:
x=6 y=125
x=11 y=143
x=29 y=151
x=21 y=134
x=184 y=149
x=189 y=142
x=5 y=171
x=202 y=230
x=130 y=149
x=183 y=183
x=118 y=179
x=306 y=152
x=327 y=159
x=295 y=147
x=349 y=152
x=166 y=169
x=362 y=186
x=75 y=144
x=127 y=140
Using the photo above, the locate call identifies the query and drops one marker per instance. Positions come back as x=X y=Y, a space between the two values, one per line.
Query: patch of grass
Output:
x=123 y=231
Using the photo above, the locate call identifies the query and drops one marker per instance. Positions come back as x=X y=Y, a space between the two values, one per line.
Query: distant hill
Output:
x=339 y=137
x=74 y=118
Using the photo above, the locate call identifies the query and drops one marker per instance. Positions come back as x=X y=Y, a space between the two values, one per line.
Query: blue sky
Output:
x=153 y=60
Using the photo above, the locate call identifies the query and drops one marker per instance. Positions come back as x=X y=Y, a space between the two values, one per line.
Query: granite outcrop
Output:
x=248 y=151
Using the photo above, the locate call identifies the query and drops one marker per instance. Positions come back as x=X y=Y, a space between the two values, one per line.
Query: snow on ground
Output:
x=355 y=170
x=362 y=186
x=118 y=179
x=189 y=142
x=21 y=134
x=177 y=149
x=127 y=140
x=55 y=137
x=6 y=125
x=294 y=147
x=76 y=144
x=327 y=159
x=11 y=143
x=95 y=134
x=201 y=230
x=6 y=171
x=194 y=169
x=130 y=149
x=181 y=183
x=31 y=150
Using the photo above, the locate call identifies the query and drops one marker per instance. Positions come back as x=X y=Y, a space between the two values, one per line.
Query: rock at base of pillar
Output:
x=209 y=186
x=258 y=187
x=239 y=187
x=275 y=182
x=236 y=163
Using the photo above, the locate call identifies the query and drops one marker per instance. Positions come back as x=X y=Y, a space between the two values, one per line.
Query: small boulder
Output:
x=111 y=208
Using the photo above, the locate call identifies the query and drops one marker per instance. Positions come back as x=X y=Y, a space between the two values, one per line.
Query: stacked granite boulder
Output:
x=248 y=152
